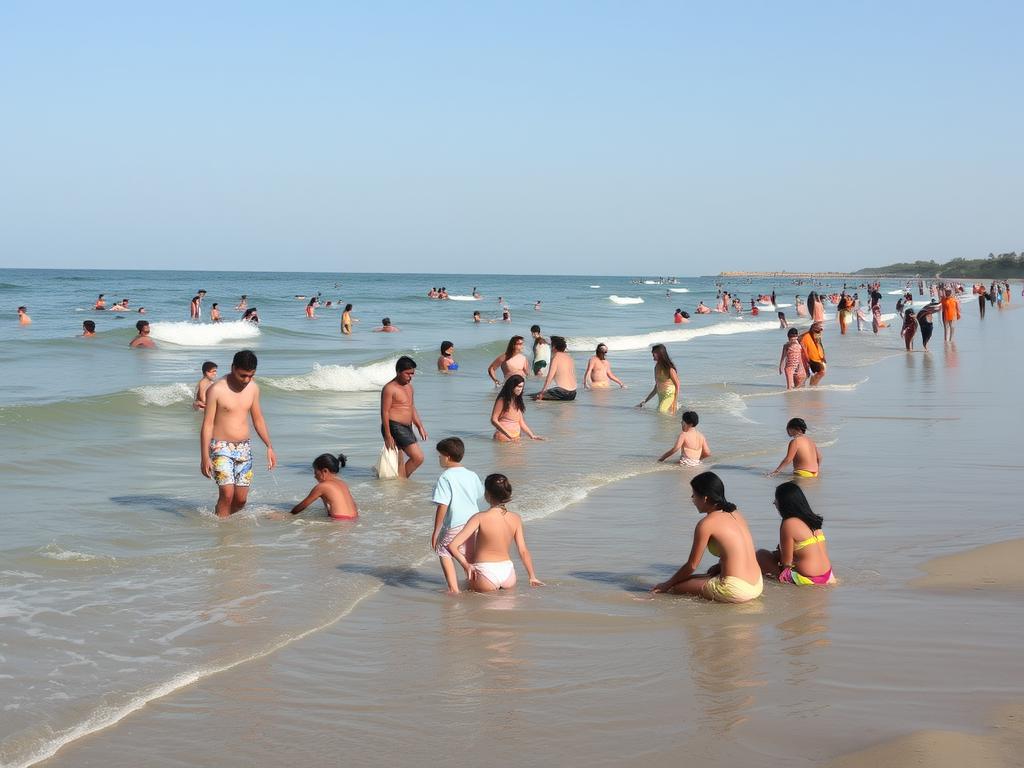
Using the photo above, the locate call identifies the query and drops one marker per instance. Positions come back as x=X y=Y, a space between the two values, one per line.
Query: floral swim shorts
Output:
x=232 y=462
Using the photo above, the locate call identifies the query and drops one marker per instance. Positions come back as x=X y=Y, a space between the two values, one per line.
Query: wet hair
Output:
x=558 y=343
x=511 y=348
x=208 y=366
x=348 y=307
x=710 y=485
x=686 y=315
x=312 y=302
x=664 y=362
x=534 y=329
x=446 y=347
x=141 y=324
x=404 y=363
x=476 y=313
x=798 y=424
x=499 y=488
x=332 y=464
x=792 y=332
x=89 y=325
x=790 y=500
x=508 y=396
x=386 y=321
x=244 y=296
x=23 y=309
x=812 y=299
x=600 y=354
x=214 y=305
x=909 y=314
x=691 y=418
x=782 y=314
x=679 y=311
x=100 y=296
x=244 y=360
x=452 y=447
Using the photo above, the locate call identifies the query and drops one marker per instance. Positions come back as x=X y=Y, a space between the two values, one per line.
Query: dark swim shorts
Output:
x=539 y=366
x=402 y=433
x=816 y=367
x=557 y=393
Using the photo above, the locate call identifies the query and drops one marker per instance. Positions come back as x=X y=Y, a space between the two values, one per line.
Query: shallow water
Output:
x=119 y=587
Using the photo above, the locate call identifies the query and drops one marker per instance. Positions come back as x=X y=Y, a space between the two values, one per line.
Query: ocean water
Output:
x=119 y=587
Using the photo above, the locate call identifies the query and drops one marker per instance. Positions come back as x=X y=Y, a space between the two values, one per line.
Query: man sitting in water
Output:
x=562 y=372
x=691 y=444
x=802 y=452
x=142 y=340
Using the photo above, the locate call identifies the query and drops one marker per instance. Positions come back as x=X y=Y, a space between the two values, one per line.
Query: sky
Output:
x=651 y=138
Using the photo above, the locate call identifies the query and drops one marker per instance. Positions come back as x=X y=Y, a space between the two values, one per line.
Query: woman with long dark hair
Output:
x=802 y=549
x=512 y=361
x=509 y=412
x=724 y=533
x=666 y=381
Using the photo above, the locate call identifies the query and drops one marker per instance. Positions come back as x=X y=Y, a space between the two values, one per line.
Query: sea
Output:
x=137 y=628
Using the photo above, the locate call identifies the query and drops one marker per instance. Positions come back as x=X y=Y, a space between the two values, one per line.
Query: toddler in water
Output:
x=330 y=489
x=457 y=495
x=495 y=530
x=691 y=444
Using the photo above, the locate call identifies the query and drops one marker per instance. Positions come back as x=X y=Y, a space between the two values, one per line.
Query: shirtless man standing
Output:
x=398 y=415
x=224 y=450
x=142 y=340
x=803 y=452
x=599 y=371
x=562 y=372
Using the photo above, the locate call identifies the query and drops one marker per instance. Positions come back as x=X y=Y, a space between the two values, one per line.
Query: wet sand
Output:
x=995 y=566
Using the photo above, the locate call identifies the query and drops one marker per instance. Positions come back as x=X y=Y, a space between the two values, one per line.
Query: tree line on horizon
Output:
x=1003 y=266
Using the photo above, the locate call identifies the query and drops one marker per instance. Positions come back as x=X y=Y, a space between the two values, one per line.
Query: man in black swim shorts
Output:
x=398 y=416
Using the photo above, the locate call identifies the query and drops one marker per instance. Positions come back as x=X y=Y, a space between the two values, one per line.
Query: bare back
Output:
x=806 y=455
x=495 y=534
x=337 y=498
x=735 y=542
x=563 y=371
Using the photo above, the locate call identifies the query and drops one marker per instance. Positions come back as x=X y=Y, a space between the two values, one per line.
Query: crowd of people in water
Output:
x=479 y=541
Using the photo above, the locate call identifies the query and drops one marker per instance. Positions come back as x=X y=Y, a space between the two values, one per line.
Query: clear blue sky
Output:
x=593 y=137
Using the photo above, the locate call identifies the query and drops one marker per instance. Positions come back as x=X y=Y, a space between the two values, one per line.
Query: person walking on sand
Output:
x=562 y=374
x=950 y=315
x=723 y=532
x=495 y=530
x=225 y=453
x=142 y=340
x=599 y=371
x=398 y=416
x=512 y=361
x=802 y=452
x=666 y=381
x=909 y=329
x=794 y=362
x=691 y=445
x=802 y=550
x=509 y=412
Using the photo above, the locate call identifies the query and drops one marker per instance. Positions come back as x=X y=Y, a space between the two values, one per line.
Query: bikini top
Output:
x=453 y=367
x=814 y=539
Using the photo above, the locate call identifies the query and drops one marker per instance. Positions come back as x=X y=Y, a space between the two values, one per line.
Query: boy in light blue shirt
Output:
x=457 y=495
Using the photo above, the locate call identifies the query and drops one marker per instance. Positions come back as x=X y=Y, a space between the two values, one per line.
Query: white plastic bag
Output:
x=387 y=464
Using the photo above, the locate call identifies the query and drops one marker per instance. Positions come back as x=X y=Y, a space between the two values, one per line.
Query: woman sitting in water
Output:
x=802 y=550
x=666 y=381
x=446 y=363
x=495 y=530
x=724 y=533
x=509 y=413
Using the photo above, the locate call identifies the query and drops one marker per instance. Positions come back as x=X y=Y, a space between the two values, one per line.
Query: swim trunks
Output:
x=731 y=589
x=804 y=473
x=557 y=393
x=402 y=433
x=501 y=574
x=446 y=538
x=538 y=366
x=816 y=367
x=793 y=576
x=232 y=462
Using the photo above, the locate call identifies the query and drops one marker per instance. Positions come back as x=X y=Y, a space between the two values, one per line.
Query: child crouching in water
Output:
x=691 y=444
x=495 y=531
x=330 y=488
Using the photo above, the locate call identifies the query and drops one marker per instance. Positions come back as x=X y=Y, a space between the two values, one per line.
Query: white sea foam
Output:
x=163 y=395
x=55 y=552
x=679 y=290
x=897 y=293
x=625 y=299
x=644 y=340
x=338 y=378
x=463 y=298
x=769 y=305
x=595 y=286
x=203 y=334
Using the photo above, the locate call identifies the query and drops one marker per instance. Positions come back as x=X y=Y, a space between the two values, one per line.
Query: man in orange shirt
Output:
x=950 y=314
x=811 y=342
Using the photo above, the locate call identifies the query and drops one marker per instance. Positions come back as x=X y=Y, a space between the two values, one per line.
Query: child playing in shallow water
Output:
x=495 y=531
x=330 y=489
x=691 y=444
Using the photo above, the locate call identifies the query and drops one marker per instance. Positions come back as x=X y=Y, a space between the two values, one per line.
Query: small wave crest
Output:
x=463 y=298
x=162 y=395
x=625 y=299
x=203 y=334
x=338 y=378
x=56 y=552
x=644 y=340
x=679 y=290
